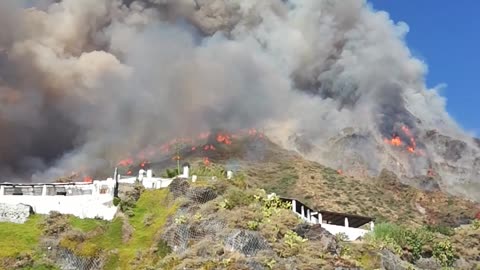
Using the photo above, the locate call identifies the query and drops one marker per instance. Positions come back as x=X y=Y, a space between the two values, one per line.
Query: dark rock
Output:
x=179 y=187
x=462 y=264
x=201 y=194
x=391 y=261
x=428 y=264
x=246 y=242
x=317 y=233
x=454 y=150
x=427 y=183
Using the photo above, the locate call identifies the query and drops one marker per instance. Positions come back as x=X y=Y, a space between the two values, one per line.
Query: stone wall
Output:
x=16 y=213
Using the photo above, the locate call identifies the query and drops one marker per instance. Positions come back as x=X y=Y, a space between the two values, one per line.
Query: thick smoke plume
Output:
x=84 y=82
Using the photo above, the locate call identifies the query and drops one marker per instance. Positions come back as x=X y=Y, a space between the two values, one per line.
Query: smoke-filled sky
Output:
x=446 y=38
x=84 y=82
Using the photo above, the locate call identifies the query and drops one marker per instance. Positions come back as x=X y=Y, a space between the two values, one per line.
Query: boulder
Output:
x=390 y=261
x=16 y=213
x=179 y=187
x=317 y=233
x=428 y=264
x=246 y=242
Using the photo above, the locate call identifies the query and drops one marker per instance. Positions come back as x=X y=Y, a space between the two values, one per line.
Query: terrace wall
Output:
x=84 y=200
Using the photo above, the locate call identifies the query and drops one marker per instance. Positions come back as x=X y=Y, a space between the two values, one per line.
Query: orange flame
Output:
x=206 y=161
x=223 y=138
x=340 y=172
x=395 y=141
x=125 y=162
x=129 y=172
x=411 y=146
x=87 y=179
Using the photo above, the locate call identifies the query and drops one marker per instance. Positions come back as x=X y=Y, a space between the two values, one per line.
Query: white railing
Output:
x=312 y=217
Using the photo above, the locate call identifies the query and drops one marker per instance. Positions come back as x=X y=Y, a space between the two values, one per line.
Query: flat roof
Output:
x=336 y=218
x=45 y=184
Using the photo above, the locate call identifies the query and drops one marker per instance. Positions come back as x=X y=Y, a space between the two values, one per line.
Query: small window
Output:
x=103 y=190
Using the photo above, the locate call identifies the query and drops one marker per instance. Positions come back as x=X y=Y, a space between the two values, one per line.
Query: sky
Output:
x=446 y=36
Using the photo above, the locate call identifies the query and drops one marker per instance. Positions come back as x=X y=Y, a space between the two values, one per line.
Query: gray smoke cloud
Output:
x=83 y=82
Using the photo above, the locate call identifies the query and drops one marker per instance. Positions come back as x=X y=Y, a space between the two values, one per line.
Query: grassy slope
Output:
x=152 y=205
x=20 y=238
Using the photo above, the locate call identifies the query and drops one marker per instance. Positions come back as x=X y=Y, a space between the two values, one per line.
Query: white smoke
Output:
x=83 y=82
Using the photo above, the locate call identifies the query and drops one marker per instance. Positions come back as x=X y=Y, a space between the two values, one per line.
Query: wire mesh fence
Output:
x=189 y=228
x=67 y=260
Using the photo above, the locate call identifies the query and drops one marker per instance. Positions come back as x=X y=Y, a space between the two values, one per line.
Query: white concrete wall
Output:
x=82 y=206
x=149 y=183
x=352 y=233
x=98 y=204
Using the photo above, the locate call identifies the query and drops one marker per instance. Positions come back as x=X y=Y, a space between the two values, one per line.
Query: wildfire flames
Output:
x=192 y=143
x=410 y=145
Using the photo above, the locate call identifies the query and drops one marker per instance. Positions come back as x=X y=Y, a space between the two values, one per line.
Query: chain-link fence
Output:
x=67 y=260
x=198 y=221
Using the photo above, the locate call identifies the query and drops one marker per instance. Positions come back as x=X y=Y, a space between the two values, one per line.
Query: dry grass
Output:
x=383 y=198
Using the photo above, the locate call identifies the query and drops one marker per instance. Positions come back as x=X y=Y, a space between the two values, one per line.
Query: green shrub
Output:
x=127 y=205
x=389 y=231
x=236 y=197
x=253 y=225
x=181 y=220
x=116 y=201
x=163 y=249
x=397 y=238
x=292 y=244
x=476 y=224
x=443 y=229
x=444 y=253
x=417 y=240
x=171 y=173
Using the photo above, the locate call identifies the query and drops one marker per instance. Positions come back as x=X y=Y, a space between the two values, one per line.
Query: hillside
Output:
x=216 y=223
x=288 y=174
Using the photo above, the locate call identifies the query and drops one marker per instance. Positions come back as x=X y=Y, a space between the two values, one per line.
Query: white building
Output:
x=333 y=222
x=84 y=200
x=146 y=178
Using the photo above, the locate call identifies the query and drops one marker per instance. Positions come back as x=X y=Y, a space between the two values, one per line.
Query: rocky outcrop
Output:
x=201 y=194
x=317 y=233
x=18 y=213
x=391 y=261
x=246 y=242
x=428 y=264
x=179 y=187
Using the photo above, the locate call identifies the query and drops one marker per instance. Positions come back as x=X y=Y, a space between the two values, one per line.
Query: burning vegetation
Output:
x=203 y=144
x=408 y=142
